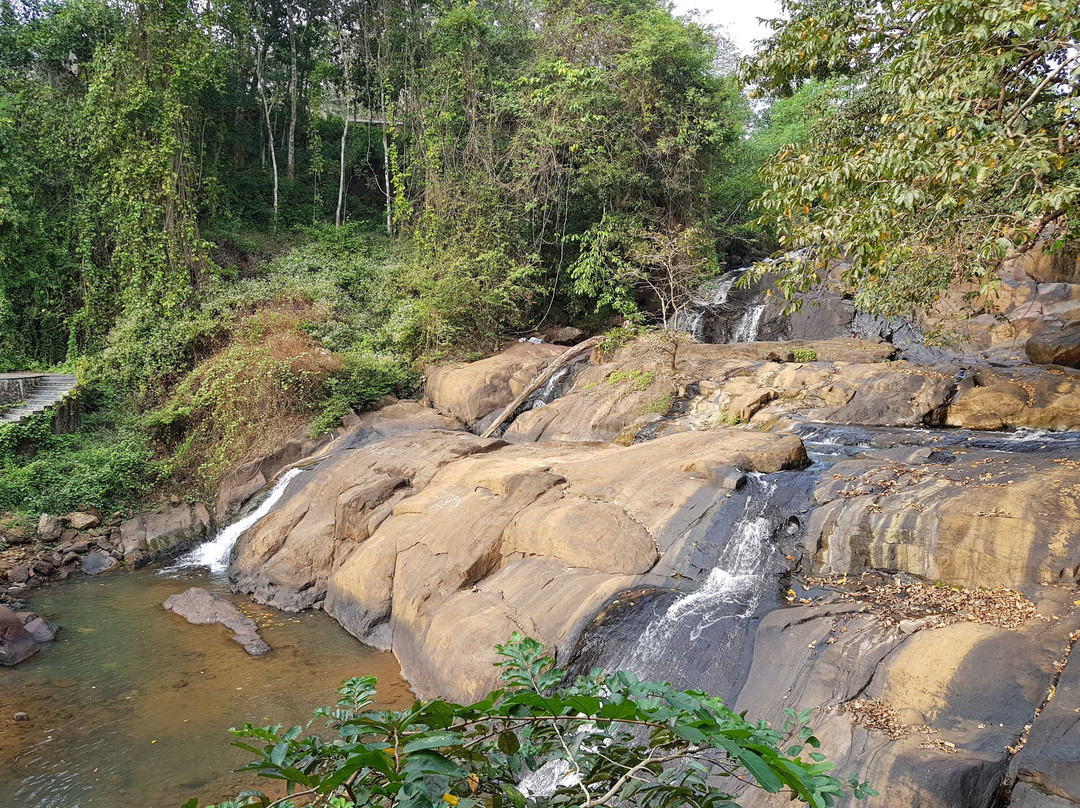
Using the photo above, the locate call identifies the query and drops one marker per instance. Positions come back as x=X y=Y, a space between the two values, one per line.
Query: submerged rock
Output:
x=200 y=607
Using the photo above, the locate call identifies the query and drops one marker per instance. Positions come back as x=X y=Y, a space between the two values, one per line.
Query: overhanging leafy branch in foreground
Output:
x=605 y=740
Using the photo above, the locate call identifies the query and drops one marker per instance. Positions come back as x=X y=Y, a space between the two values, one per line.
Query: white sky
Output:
x=738 y=17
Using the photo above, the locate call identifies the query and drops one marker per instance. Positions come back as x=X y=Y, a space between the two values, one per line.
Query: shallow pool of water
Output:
x=131 y=705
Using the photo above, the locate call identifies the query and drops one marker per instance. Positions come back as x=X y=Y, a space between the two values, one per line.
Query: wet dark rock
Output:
x=16 y=643
x=97 y=562
x=1049 y=763
x=19 y=575
x=162 y=534
x=200 y=607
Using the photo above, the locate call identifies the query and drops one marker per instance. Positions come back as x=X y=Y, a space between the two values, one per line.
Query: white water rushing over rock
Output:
x=215 y=553
x=738 y=580
x=714 y=293
x=747 y=329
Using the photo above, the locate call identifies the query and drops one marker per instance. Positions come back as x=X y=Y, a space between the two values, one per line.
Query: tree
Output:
x=606 y=740
x=950 y=136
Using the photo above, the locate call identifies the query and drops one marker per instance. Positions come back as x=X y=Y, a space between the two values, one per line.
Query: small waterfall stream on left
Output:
x=214 y=554
x=131 y=705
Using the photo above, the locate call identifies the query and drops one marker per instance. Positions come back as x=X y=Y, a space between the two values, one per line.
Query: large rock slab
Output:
x=848 y=382
x=470 y=391
x=200 y=607
x=17 y=644
x=929 y=716
x=958 y=516
x=1023 y=396
x=164 y=533
x=1047 y=770
x=407 y=539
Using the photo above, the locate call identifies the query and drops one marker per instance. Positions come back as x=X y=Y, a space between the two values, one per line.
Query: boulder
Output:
x=470 y=391
x=49 y=528
x=200 y=607
x=963 y=517
x=164 y=533
x=81 y=520
x=926 y=715
x=97 y=562
x=1055 y=347
x=42 y=630
x=17 y=644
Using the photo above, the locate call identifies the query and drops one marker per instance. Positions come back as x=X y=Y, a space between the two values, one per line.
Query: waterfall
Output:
x=712 y=294
x=215 y=553
x=552 y=389
x=712 y=620
x=747 y=329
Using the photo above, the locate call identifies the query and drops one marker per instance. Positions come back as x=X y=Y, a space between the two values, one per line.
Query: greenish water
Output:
x=131 y=705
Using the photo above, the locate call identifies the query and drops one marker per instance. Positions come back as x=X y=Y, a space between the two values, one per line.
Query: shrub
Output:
x=804 y=355
x=612 y=739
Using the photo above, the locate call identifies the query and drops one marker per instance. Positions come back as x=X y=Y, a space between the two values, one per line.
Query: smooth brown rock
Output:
x=1055 y=347
x=82 y=521
x=969 y=518
x=16 y=643
x=976 y=687
x=470 y=391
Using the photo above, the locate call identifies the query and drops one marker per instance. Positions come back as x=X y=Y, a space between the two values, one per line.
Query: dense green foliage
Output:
x=169 y=173
x=950 y=134
x=614 y=741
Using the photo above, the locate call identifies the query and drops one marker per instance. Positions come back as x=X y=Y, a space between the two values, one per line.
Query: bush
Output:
x=610 y=739
x=103 y=465
x=804 y=355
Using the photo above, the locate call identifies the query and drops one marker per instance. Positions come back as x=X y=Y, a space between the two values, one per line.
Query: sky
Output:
x=738 y=17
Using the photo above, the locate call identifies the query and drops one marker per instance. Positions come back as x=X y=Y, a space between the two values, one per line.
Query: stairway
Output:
x=48 y=390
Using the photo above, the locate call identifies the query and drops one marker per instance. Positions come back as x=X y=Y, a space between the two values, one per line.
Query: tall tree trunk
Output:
x=269 y=125
x=386 y=168
x=290 y=169
x=341 y=180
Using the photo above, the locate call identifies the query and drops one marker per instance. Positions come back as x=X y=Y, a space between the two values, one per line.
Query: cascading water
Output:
x=713 y=295
x=730 y=595
x=749 y=325
x=214 y=554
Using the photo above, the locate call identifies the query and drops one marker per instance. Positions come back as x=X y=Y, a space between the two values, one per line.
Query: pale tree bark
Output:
x=269 y=123
x=290 y=170
x=341 y=180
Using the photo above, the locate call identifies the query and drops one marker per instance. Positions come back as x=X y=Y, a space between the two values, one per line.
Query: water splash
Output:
x=732 y=592
x=747 y=329
x=215 y=553
x=712 y=295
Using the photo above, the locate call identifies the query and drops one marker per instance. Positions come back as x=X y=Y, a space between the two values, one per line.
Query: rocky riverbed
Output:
x=913 y=576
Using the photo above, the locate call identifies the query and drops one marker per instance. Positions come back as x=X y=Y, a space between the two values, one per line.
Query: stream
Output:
x=131 y=705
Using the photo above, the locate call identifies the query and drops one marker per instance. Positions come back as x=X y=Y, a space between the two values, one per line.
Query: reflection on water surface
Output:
x=131 y=705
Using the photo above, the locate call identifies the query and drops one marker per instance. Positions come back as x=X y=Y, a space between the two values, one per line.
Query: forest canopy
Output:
x=522 y=156
x=949 y=135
